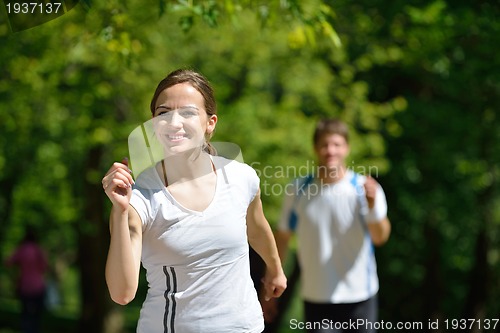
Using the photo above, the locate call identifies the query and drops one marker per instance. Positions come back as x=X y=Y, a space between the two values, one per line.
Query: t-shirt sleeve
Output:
x=141 y=202
x=143 y=196
x=253 y=184
x=380 y=209
x=242 y=177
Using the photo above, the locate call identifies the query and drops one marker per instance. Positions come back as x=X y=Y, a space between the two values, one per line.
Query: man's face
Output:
x=331 y=150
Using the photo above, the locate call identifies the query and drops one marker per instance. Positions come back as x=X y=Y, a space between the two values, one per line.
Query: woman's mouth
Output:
x=176 y=137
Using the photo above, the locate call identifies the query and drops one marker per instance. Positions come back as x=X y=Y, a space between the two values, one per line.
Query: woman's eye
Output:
x=184 y=113
x=165 y=115
x=187 y=112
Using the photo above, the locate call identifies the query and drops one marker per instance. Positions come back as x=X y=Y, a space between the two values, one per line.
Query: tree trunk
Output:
x=479 y=276
x=433 y=283
x=92 y=252
x=6 y=197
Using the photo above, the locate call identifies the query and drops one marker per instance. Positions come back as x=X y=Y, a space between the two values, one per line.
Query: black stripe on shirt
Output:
x=170 y=304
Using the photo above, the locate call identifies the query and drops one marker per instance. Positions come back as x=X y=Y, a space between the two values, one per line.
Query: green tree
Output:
x=444 y=157
x=72 y=90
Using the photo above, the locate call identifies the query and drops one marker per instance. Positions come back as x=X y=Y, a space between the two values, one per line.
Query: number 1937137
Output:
x=462 y=324
x=33 y=8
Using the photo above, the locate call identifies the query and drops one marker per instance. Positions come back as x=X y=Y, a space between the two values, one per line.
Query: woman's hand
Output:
x=117 y=184
x=274 y=284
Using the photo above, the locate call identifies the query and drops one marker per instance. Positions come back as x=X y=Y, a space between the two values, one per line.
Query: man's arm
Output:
x=380 y=231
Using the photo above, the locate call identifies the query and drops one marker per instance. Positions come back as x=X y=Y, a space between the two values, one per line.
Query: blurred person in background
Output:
x=32 y=265
x=337 y=216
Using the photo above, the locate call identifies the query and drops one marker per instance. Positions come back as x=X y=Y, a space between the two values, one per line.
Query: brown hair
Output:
x=200 y=83
x=331 y=126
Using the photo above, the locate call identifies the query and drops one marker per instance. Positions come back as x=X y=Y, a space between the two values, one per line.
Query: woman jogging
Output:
x=189 y=219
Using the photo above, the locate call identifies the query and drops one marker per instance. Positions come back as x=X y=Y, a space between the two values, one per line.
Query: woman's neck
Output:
x=181 y=168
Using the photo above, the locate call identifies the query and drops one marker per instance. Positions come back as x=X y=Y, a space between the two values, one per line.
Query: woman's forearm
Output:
x=262 y=241
x=123 y=263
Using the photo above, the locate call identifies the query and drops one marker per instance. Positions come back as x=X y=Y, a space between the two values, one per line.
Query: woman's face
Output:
x=180 y=119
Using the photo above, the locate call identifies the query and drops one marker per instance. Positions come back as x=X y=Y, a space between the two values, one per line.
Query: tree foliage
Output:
x=417 y=82
x=444 y=160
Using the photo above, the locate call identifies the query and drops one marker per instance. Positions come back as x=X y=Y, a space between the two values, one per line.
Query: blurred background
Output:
x=418 y=81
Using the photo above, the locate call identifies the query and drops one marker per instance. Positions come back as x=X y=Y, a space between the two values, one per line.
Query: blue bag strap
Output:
x=293 y=219
x=360 y=193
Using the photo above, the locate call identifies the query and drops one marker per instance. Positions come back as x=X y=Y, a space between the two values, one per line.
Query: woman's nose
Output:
x=175 y=119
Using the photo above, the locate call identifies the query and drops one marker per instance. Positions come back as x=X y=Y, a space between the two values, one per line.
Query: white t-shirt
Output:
x=197 y=263
x=335 y=251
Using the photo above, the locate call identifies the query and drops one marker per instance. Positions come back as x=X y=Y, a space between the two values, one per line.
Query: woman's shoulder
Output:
x=235 y=171
x=231 y=164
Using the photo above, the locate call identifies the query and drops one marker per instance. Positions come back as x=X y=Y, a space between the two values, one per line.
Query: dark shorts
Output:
x=348 y=317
